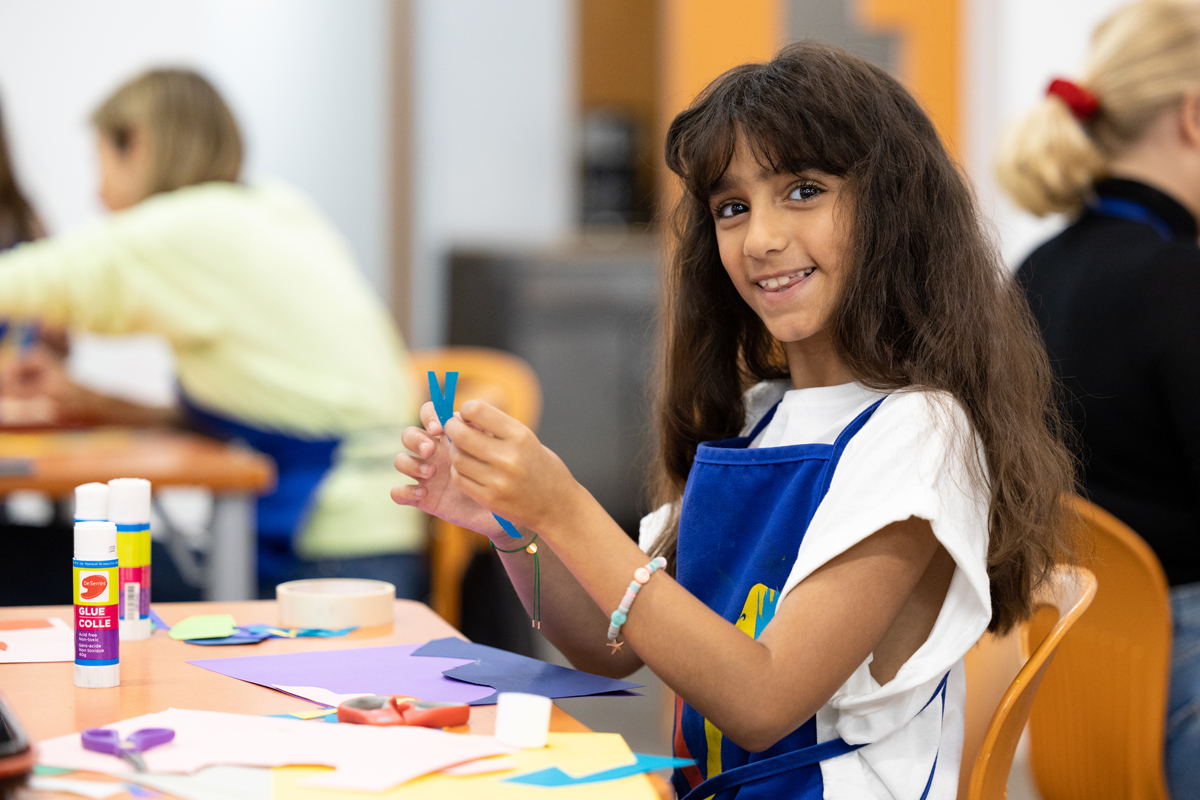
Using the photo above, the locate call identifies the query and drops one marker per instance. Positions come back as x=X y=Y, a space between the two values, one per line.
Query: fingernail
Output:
x=427 y=449
x=419 y=491
x=425 y=469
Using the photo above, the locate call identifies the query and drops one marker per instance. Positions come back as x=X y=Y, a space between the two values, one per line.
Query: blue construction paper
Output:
x=553 y=776
x=253 y=634
x=509 y=672
x=443 y=406
x=367 y=670
x=238 y=638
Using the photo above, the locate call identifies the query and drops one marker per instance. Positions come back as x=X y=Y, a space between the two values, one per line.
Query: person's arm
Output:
x=754 y=690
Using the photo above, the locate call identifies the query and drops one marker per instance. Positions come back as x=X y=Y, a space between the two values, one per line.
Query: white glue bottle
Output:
x=91 y=502
x=97 y=640
x=129 y=510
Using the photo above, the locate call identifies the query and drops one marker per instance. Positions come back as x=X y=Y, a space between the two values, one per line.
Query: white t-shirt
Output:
x=909 y=460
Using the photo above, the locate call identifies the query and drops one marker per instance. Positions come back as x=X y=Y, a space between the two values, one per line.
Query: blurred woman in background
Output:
x=1117 y=295
x=278 y=339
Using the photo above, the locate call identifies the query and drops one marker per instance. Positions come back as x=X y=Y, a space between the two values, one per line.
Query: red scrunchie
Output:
x=1083 y=104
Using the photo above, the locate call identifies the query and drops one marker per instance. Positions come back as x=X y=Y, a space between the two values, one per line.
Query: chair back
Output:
x=509 y=384
x=1098 y=725
x=1067 y=595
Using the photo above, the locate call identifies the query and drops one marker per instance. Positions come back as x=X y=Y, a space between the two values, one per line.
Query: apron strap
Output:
x=804 y=757
x=1127 y=209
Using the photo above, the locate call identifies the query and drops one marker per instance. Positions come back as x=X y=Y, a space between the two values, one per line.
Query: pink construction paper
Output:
x=369 y=670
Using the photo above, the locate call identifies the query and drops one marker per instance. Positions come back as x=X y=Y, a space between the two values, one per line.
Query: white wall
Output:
x=493 y=112
x=1014 y=48
x=307 y=79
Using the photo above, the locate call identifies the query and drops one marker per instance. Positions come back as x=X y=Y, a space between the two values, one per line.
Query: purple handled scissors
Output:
x=105 y=740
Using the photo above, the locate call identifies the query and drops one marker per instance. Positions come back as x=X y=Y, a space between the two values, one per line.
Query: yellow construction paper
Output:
x=312 y=713
x=204 y=626
x=574 y=753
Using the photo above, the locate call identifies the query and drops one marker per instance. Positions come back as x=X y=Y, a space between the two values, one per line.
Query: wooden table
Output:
x=55 y=462
x=155 y=675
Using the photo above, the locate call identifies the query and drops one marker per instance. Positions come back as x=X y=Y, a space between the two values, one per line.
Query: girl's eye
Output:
x=731 y=209
x=805 y=191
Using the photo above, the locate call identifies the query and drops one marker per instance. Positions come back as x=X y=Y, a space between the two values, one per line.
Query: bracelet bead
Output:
x=618 y=618
x=635 y=587
x=641 y=575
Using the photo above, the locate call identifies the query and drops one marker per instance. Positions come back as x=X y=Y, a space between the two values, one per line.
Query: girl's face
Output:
x=783 y=240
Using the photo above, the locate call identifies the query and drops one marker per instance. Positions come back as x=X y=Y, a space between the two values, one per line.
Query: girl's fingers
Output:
x=468 y=439
x=413 y=467
x=469 y=465
x=429 y=419
x=417 y=441
x=409 y=495
x=487 y=417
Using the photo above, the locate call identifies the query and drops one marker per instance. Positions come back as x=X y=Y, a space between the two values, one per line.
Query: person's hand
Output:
x=428 y=463
x=500 y=464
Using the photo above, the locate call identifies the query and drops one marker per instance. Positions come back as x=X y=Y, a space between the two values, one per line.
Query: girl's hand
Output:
x=501 y=464
x=434 y=492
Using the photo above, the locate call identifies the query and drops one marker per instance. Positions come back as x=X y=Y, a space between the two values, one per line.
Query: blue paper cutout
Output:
x=509 y=672
x=253 y=634
x=443 y=406
x=553 y=776
x=156 y=622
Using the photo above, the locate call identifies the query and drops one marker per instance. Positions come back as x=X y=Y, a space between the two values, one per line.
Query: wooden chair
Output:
x=1098 y=725
x=1067 y=596
x=508 y=383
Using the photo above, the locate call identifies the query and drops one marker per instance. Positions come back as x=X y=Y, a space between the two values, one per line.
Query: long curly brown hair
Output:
x=927 y=303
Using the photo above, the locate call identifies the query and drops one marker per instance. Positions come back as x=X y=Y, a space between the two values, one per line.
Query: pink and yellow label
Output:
x=96 y=629
x=133 y=552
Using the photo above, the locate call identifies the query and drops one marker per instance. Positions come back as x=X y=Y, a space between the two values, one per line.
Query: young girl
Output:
x=893 y=492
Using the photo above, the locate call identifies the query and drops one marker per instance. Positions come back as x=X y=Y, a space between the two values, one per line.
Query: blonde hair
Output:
x=1143 y=59
x=192 y=135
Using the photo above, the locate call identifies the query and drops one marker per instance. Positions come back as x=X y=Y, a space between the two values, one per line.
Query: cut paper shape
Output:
x=213 y=783
x=311 y=713
x=141 y=792
x=156 y=622
x=509 y=672
x=253 y=634
x=366 y=758
x=553 y=776
x=484 y=766
x=238 y=637
x=575 y=753
x=42 y=640
x=368 y=670
x=204 y=626
x=316 y=694
x=443 y=406
x=93 y=789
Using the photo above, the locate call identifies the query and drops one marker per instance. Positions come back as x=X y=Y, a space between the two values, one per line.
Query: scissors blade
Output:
x=134 y=758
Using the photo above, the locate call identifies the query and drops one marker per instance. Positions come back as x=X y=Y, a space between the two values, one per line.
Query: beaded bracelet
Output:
x=640 y=576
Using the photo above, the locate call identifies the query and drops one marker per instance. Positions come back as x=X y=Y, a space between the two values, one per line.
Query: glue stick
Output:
x=91 y=502
x=96 y=631
x=129 y=510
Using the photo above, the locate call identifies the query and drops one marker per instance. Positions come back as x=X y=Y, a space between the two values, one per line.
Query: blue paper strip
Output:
x=443 y=406
x=509 y=672
x=554 y=776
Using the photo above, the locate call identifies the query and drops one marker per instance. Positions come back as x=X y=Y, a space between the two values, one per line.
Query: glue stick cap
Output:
x=95 y=541
x=129 y=501
x=91 y=502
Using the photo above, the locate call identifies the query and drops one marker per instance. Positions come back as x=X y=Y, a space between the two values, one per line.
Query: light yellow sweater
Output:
x=271 y=322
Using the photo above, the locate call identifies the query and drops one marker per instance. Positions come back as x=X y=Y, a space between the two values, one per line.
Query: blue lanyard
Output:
x=1127 y=209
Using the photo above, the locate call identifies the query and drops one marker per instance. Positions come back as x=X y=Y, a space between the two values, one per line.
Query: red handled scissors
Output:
x=399 y=710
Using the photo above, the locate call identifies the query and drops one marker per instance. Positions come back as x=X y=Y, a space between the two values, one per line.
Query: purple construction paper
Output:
x=371 y=670
x=509 y=672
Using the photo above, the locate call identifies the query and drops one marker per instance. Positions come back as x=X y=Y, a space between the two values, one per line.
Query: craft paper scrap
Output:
x=94 y=789
x=483 y=766
x=204 y=626
x=25 y=641
x=214 y=783
x=369 y=670
x=509 y=672
x=575 y=753
x=316 y=694
x=554 y=776
x=211 y=738
x=156 y=621
x=253 y=634
x=39 y=769
x=141 y=792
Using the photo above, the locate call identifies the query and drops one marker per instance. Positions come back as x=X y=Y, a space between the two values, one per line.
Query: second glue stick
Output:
x=129 y=509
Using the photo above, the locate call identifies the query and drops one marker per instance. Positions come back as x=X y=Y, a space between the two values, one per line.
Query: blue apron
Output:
x=300 y=464
x=745 y=512
x=1135 y=212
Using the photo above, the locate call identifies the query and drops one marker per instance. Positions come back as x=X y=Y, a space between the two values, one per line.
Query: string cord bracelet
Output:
x=532 y=549
x=640 y=576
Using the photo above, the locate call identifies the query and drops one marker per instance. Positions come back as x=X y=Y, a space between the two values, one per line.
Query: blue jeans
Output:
x=1183 y=705
x=408 y=571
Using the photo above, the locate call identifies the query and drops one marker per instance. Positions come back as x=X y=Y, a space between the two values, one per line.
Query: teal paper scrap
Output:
x=553 y=776
x=253 y=634
x=443 y=406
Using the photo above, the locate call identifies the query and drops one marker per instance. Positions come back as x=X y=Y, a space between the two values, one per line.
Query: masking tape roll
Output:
x=335 y=603
x=522 y=720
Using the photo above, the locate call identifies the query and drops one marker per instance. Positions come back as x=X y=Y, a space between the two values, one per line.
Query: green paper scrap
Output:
x=204 y=626
x=39 y=769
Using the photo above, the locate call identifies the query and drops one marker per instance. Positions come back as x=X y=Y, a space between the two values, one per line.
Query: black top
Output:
x=1119 y=307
